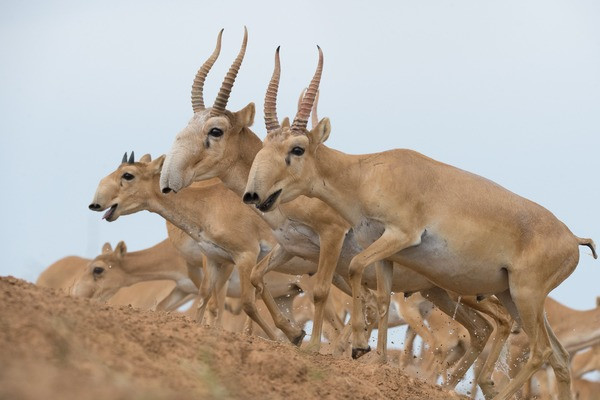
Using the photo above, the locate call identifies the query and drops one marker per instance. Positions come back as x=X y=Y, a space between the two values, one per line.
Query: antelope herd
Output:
x=466 y=264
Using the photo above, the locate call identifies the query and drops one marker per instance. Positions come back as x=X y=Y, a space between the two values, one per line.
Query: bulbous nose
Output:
x=95 y=207
x=166 y=190
x=251 y=198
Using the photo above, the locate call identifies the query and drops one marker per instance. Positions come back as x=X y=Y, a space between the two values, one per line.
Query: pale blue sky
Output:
x=509 y=90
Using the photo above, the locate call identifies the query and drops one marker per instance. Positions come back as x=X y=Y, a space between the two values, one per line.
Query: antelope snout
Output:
x=95 y=207
x=251 y=198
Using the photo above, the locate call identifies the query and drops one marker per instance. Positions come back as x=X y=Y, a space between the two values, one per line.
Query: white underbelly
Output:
x=434 y=261
x=457 y=272
x=298 y=240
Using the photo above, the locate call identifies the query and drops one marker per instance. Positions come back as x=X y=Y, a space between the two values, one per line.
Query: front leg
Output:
x=503 y=321
x=276 y=257
x=331 y=245
x=213 y=274
x=174 y=300
x=478 y=327
x=245 y=263
x=388 y=244
x=384 y=271
x=220 y=293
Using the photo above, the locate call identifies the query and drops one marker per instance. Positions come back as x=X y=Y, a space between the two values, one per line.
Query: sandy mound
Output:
x=57 y=347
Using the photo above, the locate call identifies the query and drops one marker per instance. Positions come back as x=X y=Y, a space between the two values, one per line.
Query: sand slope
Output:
x=56 y=347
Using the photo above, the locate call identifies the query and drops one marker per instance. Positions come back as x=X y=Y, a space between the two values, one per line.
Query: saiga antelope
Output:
x=219 y=143
x=463 y=232
x=227 y=231
x=62 y=275
x=114 y=269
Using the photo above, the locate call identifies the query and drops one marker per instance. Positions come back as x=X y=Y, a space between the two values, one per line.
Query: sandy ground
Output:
x=56 y=347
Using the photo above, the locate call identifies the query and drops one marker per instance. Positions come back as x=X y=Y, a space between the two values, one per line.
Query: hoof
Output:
x=298 y=340
x=357 y=353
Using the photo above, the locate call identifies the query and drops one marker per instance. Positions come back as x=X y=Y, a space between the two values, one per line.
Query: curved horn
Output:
x=302 y=93
x=131 y=158
x=225 y=91
x=314 y=119
x=124 y=160
x=301 y=119
x=271 y=120
x=198 y=85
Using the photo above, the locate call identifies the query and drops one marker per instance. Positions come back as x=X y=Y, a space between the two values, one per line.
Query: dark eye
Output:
x=297 y=151
x=98 y=270
x=216 y=132
x=127 y=176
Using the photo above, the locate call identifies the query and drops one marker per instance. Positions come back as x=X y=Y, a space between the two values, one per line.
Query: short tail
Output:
x=589 y=243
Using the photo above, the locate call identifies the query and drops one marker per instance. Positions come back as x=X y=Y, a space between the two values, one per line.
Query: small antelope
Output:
x=219 y=143
x=114 y=269
x=63 y=274
x=228 y=232
x=461 y=231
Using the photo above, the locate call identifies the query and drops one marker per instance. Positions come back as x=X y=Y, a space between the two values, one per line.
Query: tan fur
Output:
x=114 y=269
x=586 y=361
x=576 y=330
x=585 y=390
x=463 y=232
x=63 y=274
x=302 y=227
x=227 y=231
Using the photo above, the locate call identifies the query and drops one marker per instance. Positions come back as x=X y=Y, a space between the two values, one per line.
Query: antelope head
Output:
x=129 y=188
x=104 y=275
x=283 y=169
x=200 y=150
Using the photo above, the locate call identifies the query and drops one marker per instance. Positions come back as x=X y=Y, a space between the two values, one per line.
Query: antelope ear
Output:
x=106 y=248
x=121 y=249
x=156 y=165
x=320 y=133
x=146 y=158
x=245 y=116
x=286 y=123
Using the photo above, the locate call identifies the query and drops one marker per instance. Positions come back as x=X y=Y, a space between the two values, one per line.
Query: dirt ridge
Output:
x=57 y=347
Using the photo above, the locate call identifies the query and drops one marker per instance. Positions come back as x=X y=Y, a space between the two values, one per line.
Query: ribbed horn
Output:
x=131 y=158
x=314 y=119
x=124 y=160
x=198 y=85
x=225 y=91
x=302 y=93
x=301 y=119
x=271 y=120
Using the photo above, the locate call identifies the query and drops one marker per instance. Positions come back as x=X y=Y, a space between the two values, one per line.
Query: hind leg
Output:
x=559 y=361
x=529 y=300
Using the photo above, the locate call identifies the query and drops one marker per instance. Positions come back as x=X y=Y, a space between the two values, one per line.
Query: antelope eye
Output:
x=297 y=151
x=98 y=270
x=127 y=176
x=215 y=132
